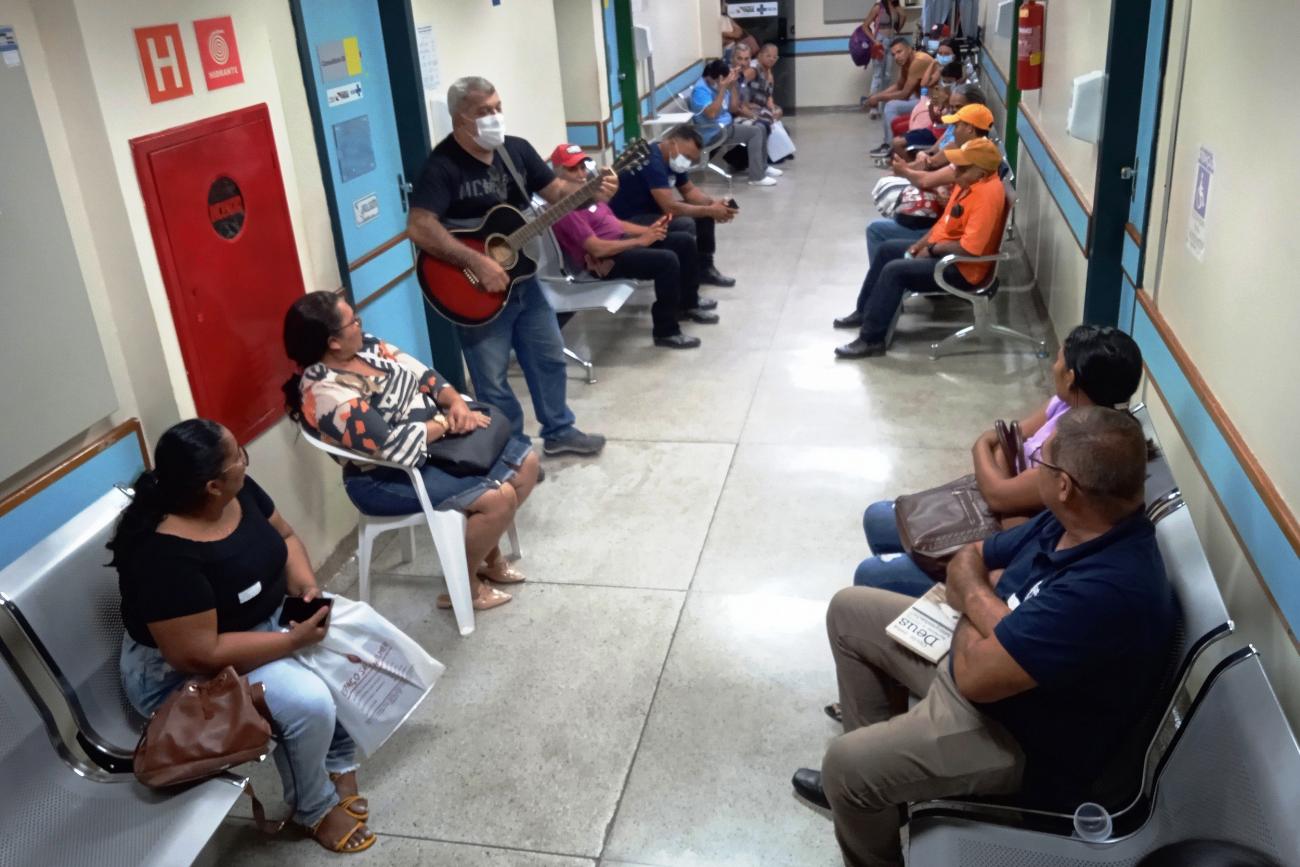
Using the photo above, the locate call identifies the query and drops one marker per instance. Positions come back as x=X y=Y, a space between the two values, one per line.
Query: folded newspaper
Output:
x=926 y=627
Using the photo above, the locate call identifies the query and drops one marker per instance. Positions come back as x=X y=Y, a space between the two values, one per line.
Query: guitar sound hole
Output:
x=498 y=248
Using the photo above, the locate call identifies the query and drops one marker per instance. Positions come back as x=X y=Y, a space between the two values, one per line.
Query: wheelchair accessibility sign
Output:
x=1200 y=209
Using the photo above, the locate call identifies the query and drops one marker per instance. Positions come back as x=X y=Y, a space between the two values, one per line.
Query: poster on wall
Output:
x=218 y=52
x=162 y=60
x=1196 y=217
x=429 y=72
x=9 y=47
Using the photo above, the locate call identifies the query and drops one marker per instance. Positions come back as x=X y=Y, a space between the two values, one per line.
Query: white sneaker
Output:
x=765 y=182
x=774 y=172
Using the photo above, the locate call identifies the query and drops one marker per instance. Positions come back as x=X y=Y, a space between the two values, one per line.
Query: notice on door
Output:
x=9 y=47
x=365 y=209
x=343 y=94
x=751 y=10
x=1200 y=210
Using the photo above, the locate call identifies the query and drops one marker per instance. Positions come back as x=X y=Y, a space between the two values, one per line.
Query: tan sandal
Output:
x=343 y=844
x=501 y=572
x=491 y=598
x=349 y=798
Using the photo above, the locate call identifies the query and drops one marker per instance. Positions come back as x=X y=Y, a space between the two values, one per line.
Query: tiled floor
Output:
x=650 y=690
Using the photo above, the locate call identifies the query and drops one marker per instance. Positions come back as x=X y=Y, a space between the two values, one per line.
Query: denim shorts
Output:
x=385 y=491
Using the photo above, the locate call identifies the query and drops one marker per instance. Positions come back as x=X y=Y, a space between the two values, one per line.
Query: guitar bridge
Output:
x=470 y=276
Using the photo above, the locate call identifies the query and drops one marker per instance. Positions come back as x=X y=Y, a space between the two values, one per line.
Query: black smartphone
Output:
x=297 y=609
x=731 y=203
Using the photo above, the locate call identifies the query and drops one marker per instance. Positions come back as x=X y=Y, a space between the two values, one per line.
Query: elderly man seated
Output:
x=595 y=240
x=970 y=226
x=711 y=106
x=1066 y=622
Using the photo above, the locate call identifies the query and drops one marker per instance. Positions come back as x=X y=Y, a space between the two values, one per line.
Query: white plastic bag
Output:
x=377 y=674
x=779 y=143
x=887 y=192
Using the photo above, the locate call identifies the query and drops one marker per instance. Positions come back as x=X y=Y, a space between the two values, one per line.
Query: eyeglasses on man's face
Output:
x=1036 y=460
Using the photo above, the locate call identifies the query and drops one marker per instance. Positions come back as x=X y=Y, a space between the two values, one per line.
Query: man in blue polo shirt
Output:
x=1066 y=625
x=646 y=194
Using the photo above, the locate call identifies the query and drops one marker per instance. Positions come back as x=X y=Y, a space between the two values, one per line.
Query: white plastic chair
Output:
x=446 y=526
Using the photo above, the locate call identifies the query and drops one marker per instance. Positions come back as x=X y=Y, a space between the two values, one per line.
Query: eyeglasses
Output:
x=242 y=462
x=355 y=320
x=1036 y=460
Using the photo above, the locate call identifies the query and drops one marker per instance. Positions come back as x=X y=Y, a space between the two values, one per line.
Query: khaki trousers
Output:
x=942 y=747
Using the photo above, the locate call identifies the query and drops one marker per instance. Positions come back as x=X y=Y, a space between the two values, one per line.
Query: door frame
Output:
x=402 y=56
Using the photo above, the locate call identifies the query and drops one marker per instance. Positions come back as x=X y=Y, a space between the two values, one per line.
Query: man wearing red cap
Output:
x=594 y=239
x=970 y=226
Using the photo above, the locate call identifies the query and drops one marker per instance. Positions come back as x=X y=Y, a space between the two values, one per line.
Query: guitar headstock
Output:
x=633 y=157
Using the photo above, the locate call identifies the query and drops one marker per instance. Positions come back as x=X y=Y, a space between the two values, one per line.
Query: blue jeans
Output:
x=528 y=325
x=888 y=229
x=891 y=568
x=310 y=744
x=892 y=109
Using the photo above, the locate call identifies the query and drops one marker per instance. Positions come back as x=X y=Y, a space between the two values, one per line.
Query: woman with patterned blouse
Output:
x=363 y=394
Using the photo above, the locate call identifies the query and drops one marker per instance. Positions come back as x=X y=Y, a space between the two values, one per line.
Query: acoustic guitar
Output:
x=504 y=232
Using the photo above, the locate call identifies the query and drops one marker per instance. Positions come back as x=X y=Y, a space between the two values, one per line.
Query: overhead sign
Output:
x=162 y=59
x=751 y=10
x=218 y=52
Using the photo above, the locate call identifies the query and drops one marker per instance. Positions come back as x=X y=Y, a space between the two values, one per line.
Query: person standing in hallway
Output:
x=594 y=239
x=646 y=195
x=901 y=97
x=471 y=171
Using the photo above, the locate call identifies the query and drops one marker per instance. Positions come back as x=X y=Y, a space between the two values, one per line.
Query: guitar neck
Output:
x=554 y=213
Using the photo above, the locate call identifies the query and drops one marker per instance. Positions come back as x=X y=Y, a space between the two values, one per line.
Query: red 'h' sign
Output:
x=218 y=52
x=162 y=58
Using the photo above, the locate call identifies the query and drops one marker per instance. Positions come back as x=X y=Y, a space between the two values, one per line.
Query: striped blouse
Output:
x=382 y=415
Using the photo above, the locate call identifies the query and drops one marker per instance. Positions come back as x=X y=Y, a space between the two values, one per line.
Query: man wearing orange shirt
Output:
x=970 y=226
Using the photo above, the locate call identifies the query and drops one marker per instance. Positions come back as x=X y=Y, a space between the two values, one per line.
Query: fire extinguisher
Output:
x=1029 y=63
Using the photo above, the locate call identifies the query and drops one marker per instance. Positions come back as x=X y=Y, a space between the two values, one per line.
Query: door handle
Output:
x=404 y=188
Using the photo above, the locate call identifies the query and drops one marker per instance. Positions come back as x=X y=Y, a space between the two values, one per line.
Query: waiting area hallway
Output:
x=648 y=693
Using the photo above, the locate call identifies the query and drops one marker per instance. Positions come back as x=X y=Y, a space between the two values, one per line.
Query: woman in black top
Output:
x=204 y=563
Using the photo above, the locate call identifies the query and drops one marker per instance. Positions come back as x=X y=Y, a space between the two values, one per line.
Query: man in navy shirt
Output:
x=1065 y=629
x=646 y=194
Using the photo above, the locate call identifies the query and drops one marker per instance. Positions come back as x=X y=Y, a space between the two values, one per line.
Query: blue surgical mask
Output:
x=945 y=59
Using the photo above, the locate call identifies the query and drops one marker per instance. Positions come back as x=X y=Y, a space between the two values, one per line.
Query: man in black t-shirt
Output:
x=463 y=178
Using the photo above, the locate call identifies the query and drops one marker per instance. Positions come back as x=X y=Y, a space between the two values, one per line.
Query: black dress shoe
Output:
x=834 y=711
x=713 y=277
x=853 y=320
x=808 y=785
x=706 y=304
x=860 y=349
x=703 y=317
x=678 y=341
x=880 y=150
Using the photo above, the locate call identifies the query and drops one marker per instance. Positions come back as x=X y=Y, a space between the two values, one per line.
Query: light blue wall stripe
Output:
x=1269 y=548
x=664 y=93
x=1075 y=216
x=53 y=507
x=826 y=45
x=1131 y=257
x=1127 y=303
x=994 y=77
x=582 y=134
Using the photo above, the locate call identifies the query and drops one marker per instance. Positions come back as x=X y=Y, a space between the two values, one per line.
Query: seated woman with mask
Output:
x=1096 y=366
x=363 y=394
x=204 y=562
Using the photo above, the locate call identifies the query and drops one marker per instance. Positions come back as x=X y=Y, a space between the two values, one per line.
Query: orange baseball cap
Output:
x=978 y=152
x=567 y=155
x=977 y=116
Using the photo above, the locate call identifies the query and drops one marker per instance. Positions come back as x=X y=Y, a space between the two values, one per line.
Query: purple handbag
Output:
x=860 y=45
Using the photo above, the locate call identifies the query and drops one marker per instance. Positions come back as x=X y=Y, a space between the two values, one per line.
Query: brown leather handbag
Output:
x=206 y=726
x=934 y=525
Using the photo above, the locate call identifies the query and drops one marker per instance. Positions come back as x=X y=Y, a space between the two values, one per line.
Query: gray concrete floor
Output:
x=646 y=696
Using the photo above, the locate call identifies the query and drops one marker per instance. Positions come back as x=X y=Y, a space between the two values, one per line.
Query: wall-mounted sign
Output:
x=342 y=94
x=9 y=47
x=751 y=10
x=218 y=52
x=339 y=59
x=162 y=59
x=1196 y=220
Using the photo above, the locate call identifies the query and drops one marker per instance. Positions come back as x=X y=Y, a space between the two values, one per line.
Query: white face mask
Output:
x=491 y=131
x=680 y=163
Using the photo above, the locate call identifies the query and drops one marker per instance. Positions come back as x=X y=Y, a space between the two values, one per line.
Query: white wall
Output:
x=581 y=44
x=1235 y=312
x=674 y=36
x=514 y=46
x=96 y=92
x=831 y=80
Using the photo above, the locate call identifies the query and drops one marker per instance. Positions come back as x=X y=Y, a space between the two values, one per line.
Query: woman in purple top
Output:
x=1096 y=366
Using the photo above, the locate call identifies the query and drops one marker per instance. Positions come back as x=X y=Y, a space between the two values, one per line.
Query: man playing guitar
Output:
x=464 y=177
